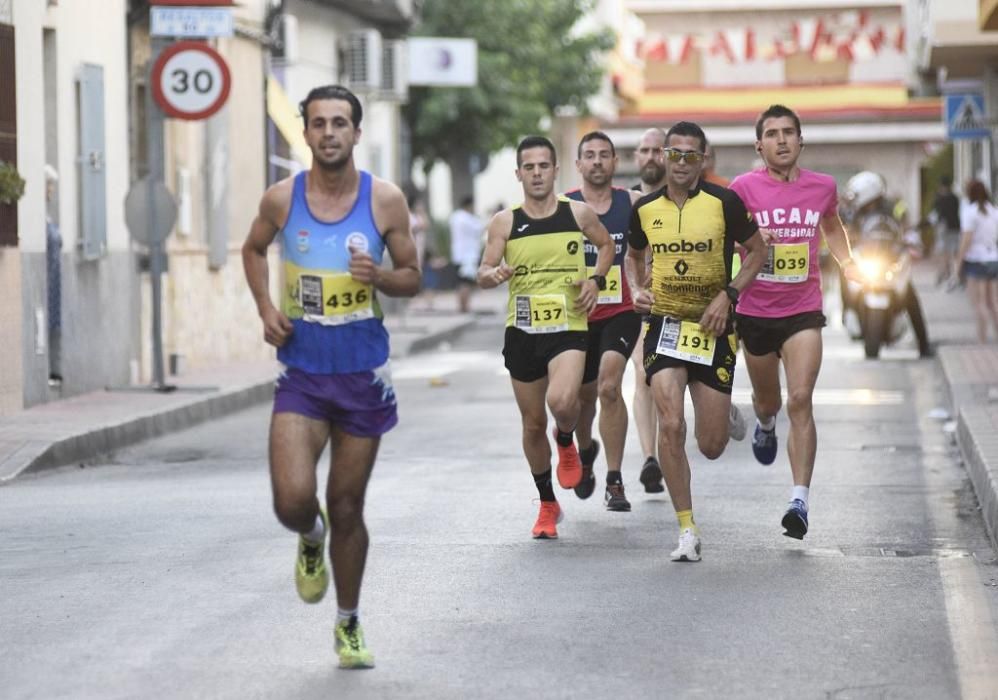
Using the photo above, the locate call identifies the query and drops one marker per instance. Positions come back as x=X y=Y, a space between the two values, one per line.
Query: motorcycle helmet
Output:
x=863 y=188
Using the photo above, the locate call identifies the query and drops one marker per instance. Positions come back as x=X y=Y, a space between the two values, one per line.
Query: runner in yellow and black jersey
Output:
x=691 y=227
x=549 y=300
x=691 y=245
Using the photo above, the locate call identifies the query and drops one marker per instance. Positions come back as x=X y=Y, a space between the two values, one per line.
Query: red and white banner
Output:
x=849 y=36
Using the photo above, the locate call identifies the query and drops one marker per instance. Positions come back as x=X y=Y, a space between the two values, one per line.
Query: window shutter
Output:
x=93 y=188
x=8 y=128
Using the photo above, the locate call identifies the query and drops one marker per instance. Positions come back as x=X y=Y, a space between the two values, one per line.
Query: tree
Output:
x=531 y=60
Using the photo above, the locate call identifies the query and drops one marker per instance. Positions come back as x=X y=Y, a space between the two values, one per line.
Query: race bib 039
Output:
x=787 y=263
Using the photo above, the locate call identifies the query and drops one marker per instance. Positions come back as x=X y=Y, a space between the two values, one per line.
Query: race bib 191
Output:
x=686 y=340
x=541 y=313
x=787 y=263
x=614 y=293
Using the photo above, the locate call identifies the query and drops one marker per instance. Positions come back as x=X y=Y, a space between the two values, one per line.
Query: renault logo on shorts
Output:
x=573 y=247
x=724 y=375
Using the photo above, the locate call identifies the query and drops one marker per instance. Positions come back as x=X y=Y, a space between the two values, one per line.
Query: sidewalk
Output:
x=971 y=374
x=89 y=426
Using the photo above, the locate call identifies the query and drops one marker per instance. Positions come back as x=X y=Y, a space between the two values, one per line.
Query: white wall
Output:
x=76 y=26
x=320 y=30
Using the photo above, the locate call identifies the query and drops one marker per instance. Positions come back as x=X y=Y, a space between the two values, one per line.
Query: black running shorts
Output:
x=618 y=333
x=527 y=354
x=762 y=336
x=718 y=375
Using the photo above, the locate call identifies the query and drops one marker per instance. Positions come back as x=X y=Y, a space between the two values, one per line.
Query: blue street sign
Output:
x=190 y=21
x=966 y=116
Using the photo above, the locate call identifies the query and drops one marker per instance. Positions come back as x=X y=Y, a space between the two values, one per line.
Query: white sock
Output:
x=800 y=493
x=768 y=424
x=318 y=532
x=345 y=615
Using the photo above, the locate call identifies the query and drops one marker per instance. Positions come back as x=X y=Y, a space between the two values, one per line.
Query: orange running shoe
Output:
x=547 y=520
x=569 y=464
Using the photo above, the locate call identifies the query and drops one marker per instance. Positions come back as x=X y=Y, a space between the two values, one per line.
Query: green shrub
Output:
x=11 y=183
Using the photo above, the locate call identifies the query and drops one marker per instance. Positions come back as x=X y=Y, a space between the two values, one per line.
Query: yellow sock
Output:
x=685 y=518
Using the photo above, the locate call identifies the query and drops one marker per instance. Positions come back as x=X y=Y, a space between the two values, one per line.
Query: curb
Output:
x=105 y=440
x=976 y=437
x=427 y=342
x=967 y=375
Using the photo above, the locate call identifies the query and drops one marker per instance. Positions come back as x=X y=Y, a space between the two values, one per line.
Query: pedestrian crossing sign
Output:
x=966 y=117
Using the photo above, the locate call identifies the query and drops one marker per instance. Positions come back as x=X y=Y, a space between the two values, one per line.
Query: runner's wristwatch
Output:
x=600 y=281
x=732 y=294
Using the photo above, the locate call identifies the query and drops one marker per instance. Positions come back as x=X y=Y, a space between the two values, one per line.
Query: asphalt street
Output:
x=163 y=573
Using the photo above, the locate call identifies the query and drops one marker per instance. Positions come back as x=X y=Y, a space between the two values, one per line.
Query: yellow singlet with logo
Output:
x=548 y=260
x=691 y=246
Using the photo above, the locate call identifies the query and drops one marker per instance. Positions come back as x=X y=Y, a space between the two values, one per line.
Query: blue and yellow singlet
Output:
x=337 y=322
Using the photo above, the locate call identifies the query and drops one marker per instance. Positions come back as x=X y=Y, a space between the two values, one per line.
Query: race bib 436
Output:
x=330 y=298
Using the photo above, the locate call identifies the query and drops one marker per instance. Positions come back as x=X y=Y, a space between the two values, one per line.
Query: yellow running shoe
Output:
x=311 y=575
x=350 y=645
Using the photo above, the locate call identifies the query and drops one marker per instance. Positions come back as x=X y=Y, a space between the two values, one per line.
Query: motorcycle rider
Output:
x=870 y=213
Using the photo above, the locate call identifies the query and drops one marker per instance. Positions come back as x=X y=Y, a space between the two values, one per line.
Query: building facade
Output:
x=74 y=123
x=69 y=313
x=955 y=52
x=842 y=66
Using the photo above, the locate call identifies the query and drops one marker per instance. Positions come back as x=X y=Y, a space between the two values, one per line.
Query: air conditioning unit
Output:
x=363 y=59
x=394 y=83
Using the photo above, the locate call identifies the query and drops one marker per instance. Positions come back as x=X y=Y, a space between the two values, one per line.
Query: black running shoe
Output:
x=651 y=476
x=615 y=499
x=586 y=487
x=795 y=519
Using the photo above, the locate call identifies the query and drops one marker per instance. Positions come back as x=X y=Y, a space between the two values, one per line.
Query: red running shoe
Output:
x=550 y=515
x=569 y=465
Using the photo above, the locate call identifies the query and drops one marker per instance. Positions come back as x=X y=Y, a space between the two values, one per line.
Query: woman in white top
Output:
x=979 y=256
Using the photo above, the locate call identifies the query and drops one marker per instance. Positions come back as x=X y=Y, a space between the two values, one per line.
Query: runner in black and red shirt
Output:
x=613 y=325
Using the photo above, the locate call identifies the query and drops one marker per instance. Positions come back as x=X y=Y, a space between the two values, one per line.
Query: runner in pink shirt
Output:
x=779 y=316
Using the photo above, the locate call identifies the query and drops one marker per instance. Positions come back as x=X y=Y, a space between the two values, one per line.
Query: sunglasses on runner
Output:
x=674 y=155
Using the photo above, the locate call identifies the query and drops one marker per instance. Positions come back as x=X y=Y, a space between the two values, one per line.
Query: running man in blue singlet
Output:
x=335 y=223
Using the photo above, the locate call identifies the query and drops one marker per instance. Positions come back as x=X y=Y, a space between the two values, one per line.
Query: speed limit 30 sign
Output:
x=190 y=80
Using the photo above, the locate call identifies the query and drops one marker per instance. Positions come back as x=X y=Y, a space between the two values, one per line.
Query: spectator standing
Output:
x=978 y=254
x=946 y=208
x=466 y=249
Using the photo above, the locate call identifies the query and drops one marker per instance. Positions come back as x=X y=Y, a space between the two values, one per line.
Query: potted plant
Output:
x=11 y=183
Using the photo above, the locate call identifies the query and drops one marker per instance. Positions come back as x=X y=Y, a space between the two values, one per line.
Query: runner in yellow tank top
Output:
x=538 y=248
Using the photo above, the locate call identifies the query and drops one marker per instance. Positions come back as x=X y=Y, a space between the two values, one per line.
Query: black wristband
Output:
x=600 y=281
x=732 y=294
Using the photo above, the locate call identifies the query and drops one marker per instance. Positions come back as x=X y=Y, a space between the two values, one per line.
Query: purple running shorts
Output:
x=360 y=403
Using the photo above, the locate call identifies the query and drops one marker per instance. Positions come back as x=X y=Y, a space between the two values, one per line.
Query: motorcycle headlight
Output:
x=872 y=268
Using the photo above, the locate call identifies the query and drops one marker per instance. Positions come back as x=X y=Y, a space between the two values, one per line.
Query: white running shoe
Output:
x=689 y=547
x=736 y=424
